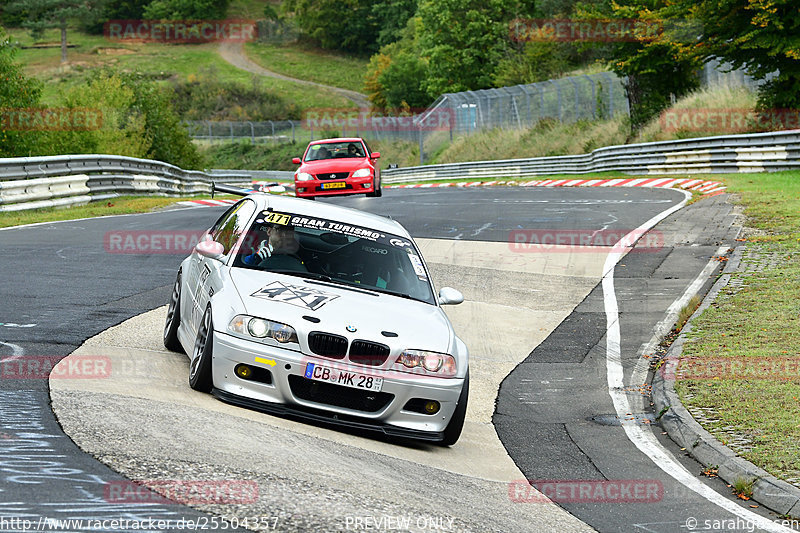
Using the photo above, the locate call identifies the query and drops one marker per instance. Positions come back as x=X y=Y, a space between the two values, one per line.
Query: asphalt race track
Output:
x=536 y=322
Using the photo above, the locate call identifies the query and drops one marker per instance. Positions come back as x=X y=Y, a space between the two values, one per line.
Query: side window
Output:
x=230 y=226
x=369 y=150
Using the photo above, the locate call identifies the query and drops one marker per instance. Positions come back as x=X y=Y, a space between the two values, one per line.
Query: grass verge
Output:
x=750 y=335
x=308 y=63
x=161 y=61
x=123 y=205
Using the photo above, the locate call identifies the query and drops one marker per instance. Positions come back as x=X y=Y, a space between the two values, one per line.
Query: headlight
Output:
x=260 y=329
x=304 y=176
x=362 y=173
x=417 y=361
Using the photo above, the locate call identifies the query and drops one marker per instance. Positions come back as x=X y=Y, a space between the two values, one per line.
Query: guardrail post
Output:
x=230 y=123
x=421 y=147
x=594 y=96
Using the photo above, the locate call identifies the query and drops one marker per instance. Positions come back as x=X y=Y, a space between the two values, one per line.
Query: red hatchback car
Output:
x=335 y=167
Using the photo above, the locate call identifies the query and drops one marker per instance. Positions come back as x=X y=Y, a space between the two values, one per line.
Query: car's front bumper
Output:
x=290 y=392
x=305 y=189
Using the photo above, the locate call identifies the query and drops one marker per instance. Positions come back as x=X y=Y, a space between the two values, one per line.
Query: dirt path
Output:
x=233 y=53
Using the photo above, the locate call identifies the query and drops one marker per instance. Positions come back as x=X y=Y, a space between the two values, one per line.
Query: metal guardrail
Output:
x=37 y=182
x=756 y=152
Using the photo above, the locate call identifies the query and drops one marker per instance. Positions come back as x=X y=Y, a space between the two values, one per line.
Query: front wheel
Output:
x=453 y=430
x=171 y=341
x=200 y=378
x=377 y=192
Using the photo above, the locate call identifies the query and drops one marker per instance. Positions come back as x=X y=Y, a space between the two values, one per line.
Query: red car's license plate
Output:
x=334 y=185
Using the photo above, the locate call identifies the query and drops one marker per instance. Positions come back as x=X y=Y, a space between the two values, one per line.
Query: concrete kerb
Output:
x=687 y=433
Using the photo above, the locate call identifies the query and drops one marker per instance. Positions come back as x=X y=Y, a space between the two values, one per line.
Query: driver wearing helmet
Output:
x=278 y=251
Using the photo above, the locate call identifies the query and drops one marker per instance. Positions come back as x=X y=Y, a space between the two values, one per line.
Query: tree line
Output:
x=420 y=49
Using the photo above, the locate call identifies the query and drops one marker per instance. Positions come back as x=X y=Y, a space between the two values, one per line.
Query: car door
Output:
x=227 y=233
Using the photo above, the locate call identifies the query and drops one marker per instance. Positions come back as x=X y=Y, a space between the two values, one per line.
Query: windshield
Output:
x=334 y=150
x=335 y=252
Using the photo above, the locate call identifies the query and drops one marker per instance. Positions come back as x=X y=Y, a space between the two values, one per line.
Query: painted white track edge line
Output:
x=645 y=441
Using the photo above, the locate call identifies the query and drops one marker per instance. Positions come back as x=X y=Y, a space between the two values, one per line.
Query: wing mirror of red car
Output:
x=375 y=155
x=296 y=160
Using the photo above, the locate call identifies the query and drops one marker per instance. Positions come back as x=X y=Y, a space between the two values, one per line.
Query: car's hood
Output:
x=335 y=165
x=288 y=299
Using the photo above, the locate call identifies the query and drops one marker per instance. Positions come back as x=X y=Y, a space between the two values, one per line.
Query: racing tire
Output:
x=200 y=378
x=453 y=430
x=171 y=341
x=377 y=193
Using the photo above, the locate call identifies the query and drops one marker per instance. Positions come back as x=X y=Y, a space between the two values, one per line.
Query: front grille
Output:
x=327 y=344
x=338 y=396
x=368 y=353
x=332 y=175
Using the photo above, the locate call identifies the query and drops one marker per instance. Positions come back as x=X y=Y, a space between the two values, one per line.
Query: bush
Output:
x=186 y=9
x=205 y=97
x=537 y=61
x=138 y=121
x=122 y=131
x=16 y=92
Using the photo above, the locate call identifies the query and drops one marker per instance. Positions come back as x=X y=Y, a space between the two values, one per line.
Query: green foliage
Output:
x=391 y=17
x=760 y=35
x=138 y=121
x=336 y=24
x=16 y=92
x=206 y=97
x=40 y=15
x=658 y=68
x=396 y=75
x=116 y=10
x=122 y=130
x=537 y=61
x=462 y=41
x=186 y=9
x=401 y=81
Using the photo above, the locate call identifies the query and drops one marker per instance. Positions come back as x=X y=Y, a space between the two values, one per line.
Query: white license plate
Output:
x=345 y=378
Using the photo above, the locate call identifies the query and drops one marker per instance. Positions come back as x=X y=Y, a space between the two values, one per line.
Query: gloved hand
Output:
x=264 y=250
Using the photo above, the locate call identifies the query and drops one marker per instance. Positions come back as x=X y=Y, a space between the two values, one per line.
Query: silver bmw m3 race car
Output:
x=320 y=312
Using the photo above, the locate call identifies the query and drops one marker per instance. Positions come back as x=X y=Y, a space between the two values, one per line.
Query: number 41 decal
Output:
x=296 y=295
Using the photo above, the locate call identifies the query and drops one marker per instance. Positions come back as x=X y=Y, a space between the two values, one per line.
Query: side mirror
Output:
x=296 y=160
x=210 y=249
x=450 y=296
x=375 y=155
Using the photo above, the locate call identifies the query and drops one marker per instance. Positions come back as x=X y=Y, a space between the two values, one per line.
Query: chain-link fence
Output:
x=717 y=73
x=589 y=97
x=258 y=132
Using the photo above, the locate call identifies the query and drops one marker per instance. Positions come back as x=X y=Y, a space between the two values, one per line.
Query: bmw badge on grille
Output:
x=351 y=329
